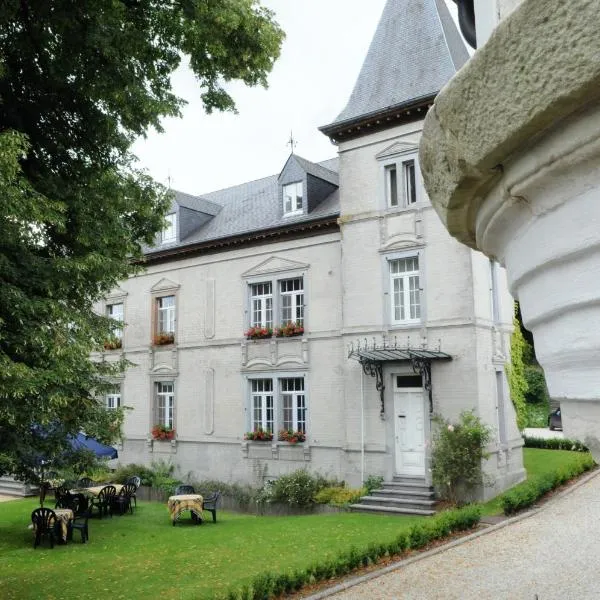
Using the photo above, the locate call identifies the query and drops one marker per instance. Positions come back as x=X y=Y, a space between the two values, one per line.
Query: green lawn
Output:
x=144 y=556
x=537 y=462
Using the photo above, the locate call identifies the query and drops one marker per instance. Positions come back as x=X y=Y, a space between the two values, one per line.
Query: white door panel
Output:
x=409 y=429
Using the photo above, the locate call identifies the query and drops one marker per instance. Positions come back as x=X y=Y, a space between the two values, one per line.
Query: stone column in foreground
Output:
x=510 y=156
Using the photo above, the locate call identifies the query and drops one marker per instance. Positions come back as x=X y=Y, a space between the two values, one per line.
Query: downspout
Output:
x=362 y=426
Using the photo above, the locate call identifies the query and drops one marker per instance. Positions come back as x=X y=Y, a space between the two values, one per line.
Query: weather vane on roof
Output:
x=292 y=143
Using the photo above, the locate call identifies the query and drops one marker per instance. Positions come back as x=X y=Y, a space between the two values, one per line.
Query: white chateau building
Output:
x=395 y=320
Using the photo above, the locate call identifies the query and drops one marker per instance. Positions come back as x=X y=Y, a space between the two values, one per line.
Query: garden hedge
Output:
x=271 y=585
x=555 y=444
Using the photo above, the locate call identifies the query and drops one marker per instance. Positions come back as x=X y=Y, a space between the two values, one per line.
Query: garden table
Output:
x=64 y=517
x=95 y=490
x=178 y=504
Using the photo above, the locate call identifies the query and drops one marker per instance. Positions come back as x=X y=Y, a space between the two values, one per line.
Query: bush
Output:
x=525 y=494
x=555 y=444
x=373 y=482
x=268 y=585
x=244 y=494
x=339 y=496
x=536 y=415
x=297 y=489
x=123 y=472
x=457 y=453
x=537 y=392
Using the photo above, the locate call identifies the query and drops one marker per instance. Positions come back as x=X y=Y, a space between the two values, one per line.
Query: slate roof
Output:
x=415 y=51
x=251 y=207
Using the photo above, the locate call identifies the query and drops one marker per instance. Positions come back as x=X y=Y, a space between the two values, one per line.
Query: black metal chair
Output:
x=137 y=481
x=44 y=523
x=104 y=500
x=184 y=489
x=122 y=501
x=209 y=503
x=85 y=482
x=83 y=512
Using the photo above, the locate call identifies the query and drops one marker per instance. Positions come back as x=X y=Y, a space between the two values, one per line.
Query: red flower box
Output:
x=162 y=432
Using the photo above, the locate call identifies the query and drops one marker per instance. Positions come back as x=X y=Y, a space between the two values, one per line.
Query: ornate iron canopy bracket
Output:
x=375 y=369
x=422 y=367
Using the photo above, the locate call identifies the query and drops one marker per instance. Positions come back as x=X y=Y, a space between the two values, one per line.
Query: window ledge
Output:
x=405 y=209
x=250 y=446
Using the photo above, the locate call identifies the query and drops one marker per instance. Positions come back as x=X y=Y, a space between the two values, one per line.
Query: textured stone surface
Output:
x=540 y=65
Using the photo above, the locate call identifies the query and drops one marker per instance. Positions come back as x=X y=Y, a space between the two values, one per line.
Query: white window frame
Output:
x=263 y=401
x=299 y=398
x=169 y=232
x=261 y=303
x=112 y=399
x=119 y=318
x=405 y=295
x=293 y=208
x=400 y=197
x=388 y=288
x=161 y=392
x=169 y=311
x=299 y=305
x=296 y=301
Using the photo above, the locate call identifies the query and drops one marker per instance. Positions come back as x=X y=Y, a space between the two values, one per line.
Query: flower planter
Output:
x=162 y=433
x=258 y=333
x=163 y=339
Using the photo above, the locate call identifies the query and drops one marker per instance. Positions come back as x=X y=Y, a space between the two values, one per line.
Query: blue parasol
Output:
x=84 y=442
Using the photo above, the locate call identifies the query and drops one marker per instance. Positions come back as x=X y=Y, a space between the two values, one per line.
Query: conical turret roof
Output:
x=415 y=51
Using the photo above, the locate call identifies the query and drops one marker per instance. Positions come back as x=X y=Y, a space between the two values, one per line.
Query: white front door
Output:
x=409 y=430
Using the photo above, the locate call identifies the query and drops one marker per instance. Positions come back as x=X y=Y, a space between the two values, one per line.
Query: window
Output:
x=292 y=198
x=166 y=314
x=494 y=298
x=292 y=301
x=113 y=397
x=278 y=404
x=405 y=292
x=169 y=233
x=293 y=404
x=280 y=309
x=165 y=403
x=401 y=183
x=115 y=311
x=262 y=404
x=261 y=295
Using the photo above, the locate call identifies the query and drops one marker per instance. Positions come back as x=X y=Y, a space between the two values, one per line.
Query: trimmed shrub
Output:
x=537 y=392
x=268 y=585
x=537 y=414
x=555 y=444
x=339 y=496
x=457 y=453
x=527 y=493
x=373 y=482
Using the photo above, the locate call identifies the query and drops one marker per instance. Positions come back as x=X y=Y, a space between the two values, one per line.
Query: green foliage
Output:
x=339 y=496
x=537 y=392
x=537 y=414
x=78 y=83
x=515 y=371
x=123 y=472
x=268 y=585
x=373 y=482
x=244 y=494
x=555 y=444
x=296 y=489
x=527 y=493
x=457 y=453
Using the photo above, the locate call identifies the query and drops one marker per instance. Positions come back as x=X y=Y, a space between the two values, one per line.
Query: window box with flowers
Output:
x=289 y=330
x=164 y=338
x=113 y=344
x=259 y=435
x=163 y=432
x=259 y=333
x=291 y=436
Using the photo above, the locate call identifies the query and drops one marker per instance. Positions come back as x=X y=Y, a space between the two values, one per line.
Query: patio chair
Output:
x=62 y=497
x=184 y=489
x=122 y=501
x=104 y=500
x=210 y=502
x=85 y=482
x=137 y=481
x=82 y=514
x=79 y=504
x=44 y=522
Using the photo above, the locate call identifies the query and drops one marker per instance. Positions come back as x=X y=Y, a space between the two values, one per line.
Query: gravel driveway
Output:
x=552 y=554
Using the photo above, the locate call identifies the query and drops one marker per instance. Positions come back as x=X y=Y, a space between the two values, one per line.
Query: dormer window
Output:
x=169 y=233
x=292 y=199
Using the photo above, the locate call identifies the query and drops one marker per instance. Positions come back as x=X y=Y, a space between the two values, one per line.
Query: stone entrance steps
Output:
x=18 y=489
x=402 y=495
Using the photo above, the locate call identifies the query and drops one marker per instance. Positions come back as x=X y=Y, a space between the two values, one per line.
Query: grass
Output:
x=536 y=462
x=143 y=555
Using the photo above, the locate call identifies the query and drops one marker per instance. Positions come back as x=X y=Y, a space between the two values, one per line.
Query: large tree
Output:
x=79 y=81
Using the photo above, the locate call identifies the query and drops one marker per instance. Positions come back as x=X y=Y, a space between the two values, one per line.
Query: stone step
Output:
x=391 y=510
x=408 y=493
x=11 y=487
x=398 y=502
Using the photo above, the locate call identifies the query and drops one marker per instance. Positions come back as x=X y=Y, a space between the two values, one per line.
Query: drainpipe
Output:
x=362 y=426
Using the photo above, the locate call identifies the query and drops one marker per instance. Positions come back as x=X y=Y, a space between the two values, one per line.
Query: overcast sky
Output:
x=326 y=43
